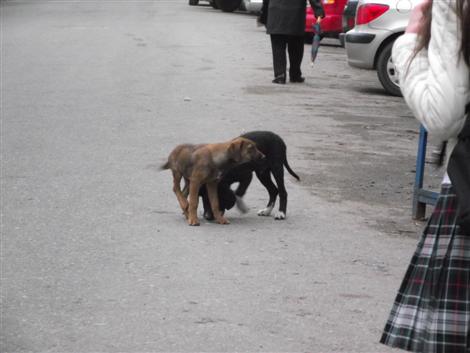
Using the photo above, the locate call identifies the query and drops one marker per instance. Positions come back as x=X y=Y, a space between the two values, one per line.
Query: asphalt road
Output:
x=96 y=256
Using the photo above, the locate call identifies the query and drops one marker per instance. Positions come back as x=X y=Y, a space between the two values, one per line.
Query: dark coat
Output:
x=288 y=16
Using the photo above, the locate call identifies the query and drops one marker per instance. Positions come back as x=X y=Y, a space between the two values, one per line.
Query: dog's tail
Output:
x=291 y=172
x=165 y=166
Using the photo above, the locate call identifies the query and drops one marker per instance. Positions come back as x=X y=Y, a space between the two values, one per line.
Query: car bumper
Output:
x=362 y=46
x=360 y=38
x=342 y=39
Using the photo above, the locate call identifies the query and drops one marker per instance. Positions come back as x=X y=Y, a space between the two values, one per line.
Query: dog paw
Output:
x=223 y=220
x=193 y=222
x=208 y=216
x=241 y=205
x=265 y=211
x=280 y=216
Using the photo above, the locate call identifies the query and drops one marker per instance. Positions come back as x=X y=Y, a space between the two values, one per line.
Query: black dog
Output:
x=274 y=148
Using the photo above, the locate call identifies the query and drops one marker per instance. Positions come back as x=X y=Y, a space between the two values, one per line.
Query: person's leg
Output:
x=296 y=53
x=279 y=43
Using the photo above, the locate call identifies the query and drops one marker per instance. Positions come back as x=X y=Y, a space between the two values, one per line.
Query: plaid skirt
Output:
x=431 y=313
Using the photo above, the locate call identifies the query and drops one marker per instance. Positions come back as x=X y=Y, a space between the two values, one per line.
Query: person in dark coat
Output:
x=285 y=23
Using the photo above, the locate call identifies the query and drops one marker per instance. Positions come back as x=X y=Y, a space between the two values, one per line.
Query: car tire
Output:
x=228 y=5
x=386 y=72
x=214 y=4
x=193 y=2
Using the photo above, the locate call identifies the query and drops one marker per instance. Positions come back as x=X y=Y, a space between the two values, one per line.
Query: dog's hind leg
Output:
x=278 y=173
x=186 y=188
x=206 y=204
x=182 y=200
x=265 y=179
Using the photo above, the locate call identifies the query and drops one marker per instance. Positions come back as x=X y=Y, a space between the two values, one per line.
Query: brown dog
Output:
x=204 y=164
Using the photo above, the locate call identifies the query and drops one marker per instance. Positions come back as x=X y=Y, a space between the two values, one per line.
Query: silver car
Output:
x=369 y=43
x=196 y=2
x=253 y=5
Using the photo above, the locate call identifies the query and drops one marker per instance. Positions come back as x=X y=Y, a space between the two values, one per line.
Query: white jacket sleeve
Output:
x=435 y=84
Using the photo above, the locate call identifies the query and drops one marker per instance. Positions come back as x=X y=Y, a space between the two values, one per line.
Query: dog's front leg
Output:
x=214 y=200
x=194 y=186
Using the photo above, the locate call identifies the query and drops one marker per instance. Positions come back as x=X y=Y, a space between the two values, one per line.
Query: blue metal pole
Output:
x=419 y=208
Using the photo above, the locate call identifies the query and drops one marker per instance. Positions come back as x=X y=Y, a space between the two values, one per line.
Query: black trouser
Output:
x=295 y=47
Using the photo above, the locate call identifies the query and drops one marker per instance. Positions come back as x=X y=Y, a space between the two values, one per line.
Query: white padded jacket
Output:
x=436 y=83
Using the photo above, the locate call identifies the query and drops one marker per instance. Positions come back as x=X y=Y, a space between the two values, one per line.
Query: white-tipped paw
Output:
x=280 y=216
x=265 y=211
x=241 y=205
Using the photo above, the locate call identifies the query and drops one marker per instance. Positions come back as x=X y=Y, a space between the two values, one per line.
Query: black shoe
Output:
x=281 y=79
x=299 y=79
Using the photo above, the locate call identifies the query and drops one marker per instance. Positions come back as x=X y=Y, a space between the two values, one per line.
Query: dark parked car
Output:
x=349 y=19
x=349 y=15
x=229 y=5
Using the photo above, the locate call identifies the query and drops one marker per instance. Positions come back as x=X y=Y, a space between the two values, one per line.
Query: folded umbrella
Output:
x=316 y=40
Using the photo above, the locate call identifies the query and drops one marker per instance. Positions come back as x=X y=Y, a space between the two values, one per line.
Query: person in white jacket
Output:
x=431 y=312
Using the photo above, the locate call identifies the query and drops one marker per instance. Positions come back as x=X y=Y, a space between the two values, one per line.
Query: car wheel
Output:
x=386 y=71
x=228 y=5
x=193 y=2
x=214 y=4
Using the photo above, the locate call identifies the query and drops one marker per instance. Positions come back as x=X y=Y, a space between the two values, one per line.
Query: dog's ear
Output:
x=235 y=150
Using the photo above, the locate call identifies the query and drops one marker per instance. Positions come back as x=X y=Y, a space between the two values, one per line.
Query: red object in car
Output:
x=350 y=22
x=369 y=12
x=332 y=24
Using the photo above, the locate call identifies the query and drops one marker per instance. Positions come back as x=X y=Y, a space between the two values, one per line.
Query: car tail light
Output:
x=369 y=12
x=329 y=2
